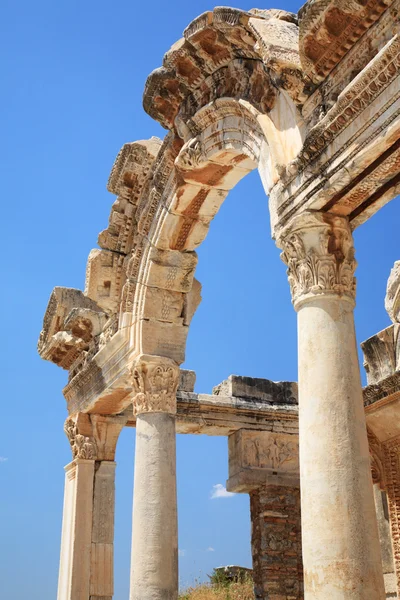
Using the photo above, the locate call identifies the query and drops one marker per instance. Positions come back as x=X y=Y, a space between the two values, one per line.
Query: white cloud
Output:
x=219 y=491
x=181 y=552
x=210 y=549
x=3 y=459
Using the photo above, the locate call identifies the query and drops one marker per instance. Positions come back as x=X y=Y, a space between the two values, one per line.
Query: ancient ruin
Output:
x=313 y=101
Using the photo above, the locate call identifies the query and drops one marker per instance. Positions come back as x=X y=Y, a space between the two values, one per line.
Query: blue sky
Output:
x=72 y=86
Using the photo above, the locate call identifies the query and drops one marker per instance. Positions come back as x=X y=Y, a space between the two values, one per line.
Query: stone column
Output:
x=86 y=562
x=341 y=553
x=154 y=570
x=266 y=466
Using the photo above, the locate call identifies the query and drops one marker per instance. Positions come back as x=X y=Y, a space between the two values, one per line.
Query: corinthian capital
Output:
x=155 y=382
x=318 y=250
x=82 y=446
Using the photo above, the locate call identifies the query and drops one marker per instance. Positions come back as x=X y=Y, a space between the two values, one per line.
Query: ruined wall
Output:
x=276 y=543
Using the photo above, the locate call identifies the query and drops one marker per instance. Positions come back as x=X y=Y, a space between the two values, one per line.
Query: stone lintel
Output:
x=253 y=388
x=262 y=458
x=378 y=393
x=382 y=354
x=187 y=380
x=382 y=416
x=213 y=415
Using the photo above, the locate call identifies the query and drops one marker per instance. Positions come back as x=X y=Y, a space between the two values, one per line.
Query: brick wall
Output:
x=276 y=543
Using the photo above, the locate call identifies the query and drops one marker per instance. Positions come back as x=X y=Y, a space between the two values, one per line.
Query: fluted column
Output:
x=341 y=553
x=87 y=542
x=154 y=569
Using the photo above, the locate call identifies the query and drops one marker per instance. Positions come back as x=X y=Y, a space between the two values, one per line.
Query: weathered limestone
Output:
x=313 y=101
x=71 y=323
x=154 y=574
x=382 y=400
x=86 y=563
x=266 y=465
x=341 y=553
x=382 y=515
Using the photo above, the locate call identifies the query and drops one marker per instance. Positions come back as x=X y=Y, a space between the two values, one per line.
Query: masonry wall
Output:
x=276 y=543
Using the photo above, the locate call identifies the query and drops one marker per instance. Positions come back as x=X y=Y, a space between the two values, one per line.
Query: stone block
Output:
x=173 y=232
x=105 y=277
x=187 y=380
x=167 y=269
x=197 y=201
x=381 y=354
x=260 y=458
x=191 y=302
x=159 y=304
x=271 y=392
x=161 y=339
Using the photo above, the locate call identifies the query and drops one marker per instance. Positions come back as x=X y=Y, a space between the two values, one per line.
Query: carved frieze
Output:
x=274 y=454
x=355 y=98
x=318 y=250
x=261 y=457
x=381 y=354
x=128 y=178
x=155 y=382
x=329 y=28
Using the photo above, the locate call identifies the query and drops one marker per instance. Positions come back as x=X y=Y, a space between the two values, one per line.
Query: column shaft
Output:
x=341 y=552
x=87 y=543
x=340 y=537
x=74 y=574
x=102 y=548
x=155 y=531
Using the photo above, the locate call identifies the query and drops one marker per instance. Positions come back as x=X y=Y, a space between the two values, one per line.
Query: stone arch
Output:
x=229 y=93
x=203 y=65
x=189 y=183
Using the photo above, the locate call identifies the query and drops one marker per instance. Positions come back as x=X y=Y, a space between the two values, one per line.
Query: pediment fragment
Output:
x=71 y=322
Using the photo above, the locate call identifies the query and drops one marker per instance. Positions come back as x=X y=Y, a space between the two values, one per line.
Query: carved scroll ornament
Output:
x=155 y=382
x=318 y=250
x=82 y=446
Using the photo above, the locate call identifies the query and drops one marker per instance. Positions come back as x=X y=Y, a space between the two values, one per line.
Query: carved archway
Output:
x=228 y=92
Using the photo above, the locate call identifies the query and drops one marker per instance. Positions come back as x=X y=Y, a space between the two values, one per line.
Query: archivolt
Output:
x=228 y=92
x=187 y=187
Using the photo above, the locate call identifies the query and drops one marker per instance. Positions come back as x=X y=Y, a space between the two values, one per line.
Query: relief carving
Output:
x=318 y=250
x=273 y=452
x=82 y=446
x=155 y=382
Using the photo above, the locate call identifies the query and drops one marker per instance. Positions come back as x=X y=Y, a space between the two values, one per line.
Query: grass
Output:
x=231 y=591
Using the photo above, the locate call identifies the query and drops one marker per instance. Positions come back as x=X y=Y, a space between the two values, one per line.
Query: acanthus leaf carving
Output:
x=82 y=446
x=155 y=382
x=319 y=253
